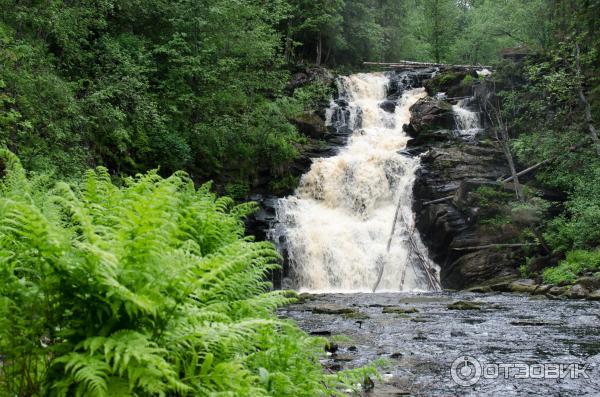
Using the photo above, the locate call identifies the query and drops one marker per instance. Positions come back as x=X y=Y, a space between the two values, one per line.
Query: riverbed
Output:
x=420 y=335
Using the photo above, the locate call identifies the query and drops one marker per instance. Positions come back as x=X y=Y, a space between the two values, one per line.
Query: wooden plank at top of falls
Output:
x=413 y=64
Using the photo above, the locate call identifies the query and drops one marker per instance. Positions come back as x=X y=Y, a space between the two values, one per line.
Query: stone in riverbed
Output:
x=356 y=315
x=578 y=291
x=533 y=322
x=399 y=310
x=594 y=296
x=465 y=305
x=556 y=291
x=525 y=285
x=590 y=283
x=388 y=106
x=332 y=309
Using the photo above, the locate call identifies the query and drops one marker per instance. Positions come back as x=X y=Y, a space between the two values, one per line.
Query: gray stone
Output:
x=590 y=283
x=525 y=285
x=594 y=296
x=465 y=305
x=578 y=291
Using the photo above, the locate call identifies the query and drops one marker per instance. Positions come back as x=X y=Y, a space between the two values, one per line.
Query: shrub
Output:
x=148 y=289
x=574 y=265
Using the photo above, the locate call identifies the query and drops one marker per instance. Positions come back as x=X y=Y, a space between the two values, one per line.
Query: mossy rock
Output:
x=465 y=305
x=399 y=310
x=355 y=315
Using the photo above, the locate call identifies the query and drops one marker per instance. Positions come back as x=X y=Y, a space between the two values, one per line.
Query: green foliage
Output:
x=523 y=271
x=140 y=85
x=148 y=288
x=576 y=263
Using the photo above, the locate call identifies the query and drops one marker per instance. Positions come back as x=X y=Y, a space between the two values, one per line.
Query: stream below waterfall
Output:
x=420 y=337
x=349 y=229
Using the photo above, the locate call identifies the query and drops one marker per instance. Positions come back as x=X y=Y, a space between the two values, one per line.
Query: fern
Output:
x=144 y=289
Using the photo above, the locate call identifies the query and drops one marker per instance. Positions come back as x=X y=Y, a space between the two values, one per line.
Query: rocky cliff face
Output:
x=447 y=201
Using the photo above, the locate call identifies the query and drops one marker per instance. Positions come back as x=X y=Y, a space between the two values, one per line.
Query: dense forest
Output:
x=116 y=114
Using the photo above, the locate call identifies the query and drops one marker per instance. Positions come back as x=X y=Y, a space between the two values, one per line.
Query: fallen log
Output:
x=426 y=65
x=480 y=247
x=440 y=200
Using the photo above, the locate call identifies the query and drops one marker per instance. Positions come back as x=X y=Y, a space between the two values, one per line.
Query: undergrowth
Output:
x=144 y=289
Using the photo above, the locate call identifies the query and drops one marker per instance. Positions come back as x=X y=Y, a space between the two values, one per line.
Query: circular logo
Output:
x=466 y=371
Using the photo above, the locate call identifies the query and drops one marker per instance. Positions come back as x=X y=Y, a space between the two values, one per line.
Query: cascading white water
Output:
x=467 y=121
x=337 y=225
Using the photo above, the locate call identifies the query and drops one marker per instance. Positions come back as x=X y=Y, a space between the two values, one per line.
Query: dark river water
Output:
x=515 y=345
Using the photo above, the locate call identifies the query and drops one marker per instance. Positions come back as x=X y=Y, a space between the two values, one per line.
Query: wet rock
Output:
x=343 y=357
x=311 y=125
x=396 y=355
x=590 y=283
x=428 y=115
x=542 y=289
x=388 y=106
x=355 y=315
x=556 y=291
x=332 y=309
x=453 y=82
x=480 y=265
x=321 y=332
x=308 y=76
x=331 y=347
x=524 y=286
x=578 y=291
x=400 y=310
x=480 y=289
x=595 y=295
x=533 y=323
x=465 y=305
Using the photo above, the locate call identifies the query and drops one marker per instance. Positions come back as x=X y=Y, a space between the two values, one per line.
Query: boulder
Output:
x=525 y=285
x=590 y=283
x=578 y=291
x=556 y=291
x=310 y=75
x=465 y=305
x=455 y=83
x=310 y=124
x=388 y=106
x=429 y=114
x=595 y=295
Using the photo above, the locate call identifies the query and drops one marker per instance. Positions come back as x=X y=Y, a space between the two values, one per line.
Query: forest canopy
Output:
x=201 y=85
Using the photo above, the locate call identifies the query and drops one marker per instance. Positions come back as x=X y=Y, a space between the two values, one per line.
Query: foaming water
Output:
x=467 y=121
x=337 y=225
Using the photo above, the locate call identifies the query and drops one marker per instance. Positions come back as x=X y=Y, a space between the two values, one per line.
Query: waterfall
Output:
x=467 y=121
x=335 y=228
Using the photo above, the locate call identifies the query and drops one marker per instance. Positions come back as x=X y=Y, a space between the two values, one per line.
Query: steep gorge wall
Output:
x=458 y=166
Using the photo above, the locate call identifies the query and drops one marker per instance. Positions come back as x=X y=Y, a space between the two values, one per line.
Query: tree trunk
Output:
x=586 y=104
x=288 y=43
x=319 y=50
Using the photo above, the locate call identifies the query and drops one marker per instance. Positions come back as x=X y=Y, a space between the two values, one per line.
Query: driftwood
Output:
x=480 y=247
x=389 y=244
x=431 y=279
x=414 y=64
